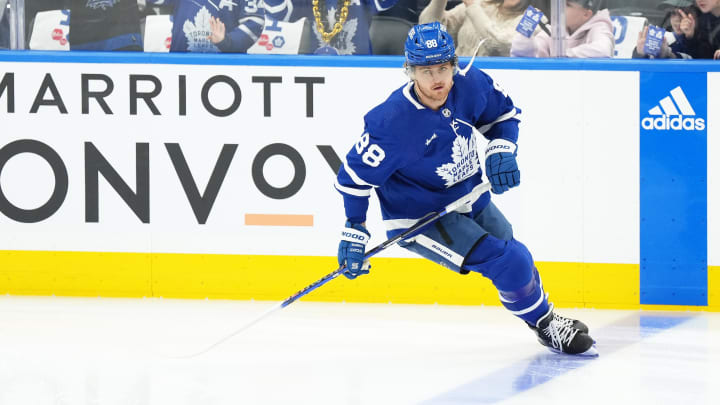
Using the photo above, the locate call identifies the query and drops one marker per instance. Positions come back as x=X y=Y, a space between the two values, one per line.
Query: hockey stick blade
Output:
x=429 y=218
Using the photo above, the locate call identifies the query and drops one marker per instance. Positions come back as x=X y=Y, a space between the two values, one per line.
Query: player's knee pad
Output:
x=508 y=264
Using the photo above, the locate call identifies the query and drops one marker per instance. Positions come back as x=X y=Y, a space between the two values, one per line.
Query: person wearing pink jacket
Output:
x=589 y=34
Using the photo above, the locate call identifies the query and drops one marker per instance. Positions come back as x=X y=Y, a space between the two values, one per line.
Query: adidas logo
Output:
x=674 y=113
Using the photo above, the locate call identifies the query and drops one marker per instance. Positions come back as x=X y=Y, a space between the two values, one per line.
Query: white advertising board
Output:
x=578 y=201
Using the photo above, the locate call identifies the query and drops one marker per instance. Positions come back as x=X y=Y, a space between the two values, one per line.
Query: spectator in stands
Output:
x=589 y=34
x=491 y=22
x=674 y=46
x=408 y=10
x=4 y=26
x=95 y=25
x=543 y=5
x=214 y=26
x=339 y=27
x=705 y=44
x=105 y=25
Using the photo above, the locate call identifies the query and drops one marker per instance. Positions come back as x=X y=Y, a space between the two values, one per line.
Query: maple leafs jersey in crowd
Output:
x=354 y=39
x=244 y=21
x=419 y=160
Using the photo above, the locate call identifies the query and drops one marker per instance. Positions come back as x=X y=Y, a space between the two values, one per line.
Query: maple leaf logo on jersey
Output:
x=198 y=31
x=466 y=161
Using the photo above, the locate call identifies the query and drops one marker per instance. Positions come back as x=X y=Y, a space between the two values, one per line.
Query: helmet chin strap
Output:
x=464 y=71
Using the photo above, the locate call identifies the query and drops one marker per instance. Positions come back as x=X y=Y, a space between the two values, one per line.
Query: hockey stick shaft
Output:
x=422 y=222
x=429 y=218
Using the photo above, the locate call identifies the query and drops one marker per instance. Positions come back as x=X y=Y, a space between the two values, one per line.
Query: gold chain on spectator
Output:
x=327 y=36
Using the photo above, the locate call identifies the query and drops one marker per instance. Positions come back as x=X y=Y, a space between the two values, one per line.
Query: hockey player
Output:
x=419 y=152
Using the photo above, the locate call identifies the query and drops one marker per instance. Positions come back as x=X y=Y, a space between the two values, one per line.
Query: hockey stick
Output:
x=467 y=199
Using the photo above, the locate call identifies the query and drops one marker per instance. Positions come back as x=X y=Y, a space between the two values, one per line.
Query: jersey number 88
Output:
x=374 y=154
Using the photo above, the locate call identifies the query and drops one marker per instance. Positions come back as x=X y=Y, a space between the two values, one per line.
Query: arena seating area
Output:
x=47 y=24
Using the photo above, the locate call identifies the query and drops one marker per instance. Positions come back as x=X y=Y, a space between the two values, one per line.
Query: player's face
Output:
x=433 y=83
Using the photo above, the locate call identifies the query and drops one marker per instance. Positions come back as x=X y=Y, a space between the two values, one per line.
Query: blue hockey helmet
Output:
x=429 y=44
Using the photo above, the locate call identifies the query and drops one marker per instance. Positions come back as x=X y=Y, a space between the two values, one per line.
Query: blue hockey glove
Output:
x=500 y=165
x=351 y=252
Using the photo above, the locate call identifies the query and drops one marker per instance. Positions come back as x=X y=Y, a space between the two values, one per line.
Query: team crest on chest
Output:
x=465 y=157
x=446 y=112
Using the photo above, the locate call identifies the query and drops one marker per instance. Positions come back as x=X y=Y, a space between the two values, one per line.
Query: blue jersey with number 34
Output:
x=419 y=160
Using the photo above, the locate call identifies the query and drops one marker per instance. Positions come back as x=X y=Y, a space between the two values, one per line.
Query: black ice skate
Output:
x=564 y=335
x=572 y=322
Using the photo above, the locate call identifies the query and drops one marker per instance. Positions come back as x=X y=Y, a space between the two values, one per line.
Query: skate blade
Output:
x=591 y=352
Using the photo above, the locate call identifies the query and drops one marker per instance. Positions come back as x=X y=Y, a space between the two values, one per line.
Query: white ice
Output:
x=120 y=351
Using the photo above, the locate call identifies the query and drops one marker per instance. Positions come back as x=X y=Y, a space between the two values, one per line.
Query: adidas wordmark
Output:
x=666 y=116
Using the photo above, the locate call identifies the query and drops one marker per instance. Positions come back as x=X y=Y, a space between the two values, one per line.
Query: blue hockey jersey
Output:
x=244 y=21
x=419 y=160
x=354 y=39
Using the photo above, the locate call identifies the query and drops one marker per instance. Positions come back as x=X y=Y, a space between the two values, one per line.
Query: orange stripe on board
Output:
x=278 y=220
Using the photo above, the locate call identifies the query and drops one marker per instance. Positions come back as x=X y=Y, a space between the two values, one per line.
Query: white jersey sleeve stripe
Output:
x=463 y=122
x=352 y=191
x=249 y=33
x=379 y=7
x=510 y=114
x=404 y=223
x=393 y=224
x=355 y=178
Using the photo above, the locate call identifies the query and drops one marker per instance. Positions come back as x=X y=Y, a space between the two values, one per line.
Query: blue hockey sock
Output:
x=528 y=302
x=511 y=268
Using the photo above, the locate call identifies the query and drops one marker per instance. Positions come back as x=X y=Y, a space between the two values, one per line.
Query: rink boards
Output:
x=211 y=176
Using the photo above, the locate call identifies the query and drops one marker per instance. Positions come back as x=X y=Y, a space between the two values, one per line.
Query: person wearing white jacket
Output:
x=491 y=22
x=589 y=34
